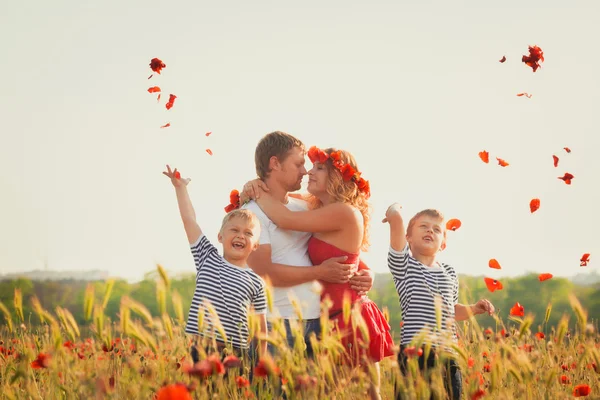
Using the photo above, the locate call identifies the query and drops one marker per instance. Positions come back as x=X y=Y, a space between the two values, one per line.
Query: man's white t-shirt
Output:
x=289 y=248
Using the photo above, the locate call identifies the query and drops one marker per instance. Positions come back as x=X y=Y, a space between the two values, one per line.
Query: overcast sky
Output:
x=413 y=89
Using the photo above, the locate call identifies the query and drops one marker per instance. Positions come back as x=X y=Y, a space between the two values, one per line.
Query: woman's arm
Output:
x=325 y=219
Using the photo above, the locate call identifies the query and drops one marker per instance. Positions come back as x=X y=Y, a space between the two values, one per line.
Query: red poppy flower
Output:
x=42 y=361
x=485 y=156
x=493 y=284
x=317 y=155
x=534 y=205
x=348 y=172
x=487 y=367
x=567 y=178
x=540 y=335
x=478 y=394
x=502 y=163
x=209 y=151
x=157 y=65
x=176 y=391
x=471 y=362
x=412 y=351
x=525 y=94
x=503 y=59
x=234 y=201
x=545 y=277
x=517 y=310
x=503 y=333
x=154 y=89
x=266 y=367
x=171 y=101
x=488 y=331
x=453 y=224
x=568 y=150
x=177 y=175
x=565 y=380
x=581 y=391
x=168 y=124
x=493 y=263
x=555 y=160
x=242 y=382
x=208 y=133
x=584 y=260
x=232 y=361
x=533 y=59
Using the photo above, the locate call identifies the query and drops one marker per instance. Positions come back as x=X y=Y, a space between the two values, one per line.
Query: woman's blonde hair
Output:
x=345 y=192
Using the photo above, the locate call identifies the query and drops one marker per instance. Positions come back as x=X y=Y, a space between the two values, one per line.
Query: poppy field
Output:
x=48 y=355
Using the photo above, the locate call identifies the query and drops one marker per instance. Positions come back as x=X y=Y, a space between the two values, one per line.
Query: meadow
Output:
x=138 y=355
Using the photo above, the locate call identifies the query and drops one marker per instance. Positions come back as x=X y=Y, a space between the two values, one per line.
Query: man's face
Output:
x=292 y=170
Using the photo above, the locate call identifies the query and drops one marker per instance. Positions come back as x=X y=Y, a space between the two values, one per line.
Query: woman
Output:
x=339 y=219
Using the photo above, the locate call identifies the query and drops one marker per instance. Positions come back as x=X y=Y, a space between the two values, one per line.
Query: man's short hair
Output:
x=276 y=144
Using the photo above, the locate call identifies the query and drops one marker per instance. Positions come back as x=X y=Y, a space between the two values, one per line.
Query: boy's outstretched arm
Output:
x=397 y=230
x=186 y=210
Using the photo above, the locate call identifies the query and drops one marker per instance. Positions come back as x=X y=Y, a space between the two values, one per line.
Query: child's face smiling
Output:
x=239 y=238
x=427 y=235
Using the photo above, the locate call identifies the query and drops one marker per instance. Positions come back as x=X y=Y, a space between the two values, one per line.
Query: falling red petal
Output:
x=158 y=98
x=555 y=160
x=177 y=175
x=534 y=205
x=154 y=89
x=208 y=133
x=503 y=59
x=545 y=277
x=493 y=263
x=567 y=178
x=533 y=59
x=171 y=101
x=525 y=94
x=584 y=260
x=157 y=65
x=209 y=151
x=568 y=150
x=501 y=162
x=485 y=156
x=168 y=124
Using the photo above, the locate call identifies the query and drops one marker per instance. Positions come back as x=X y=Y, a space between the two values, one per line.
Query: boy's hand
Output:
x=483 y=306
x=252 y=190
x=393 y=213
x=176 y=179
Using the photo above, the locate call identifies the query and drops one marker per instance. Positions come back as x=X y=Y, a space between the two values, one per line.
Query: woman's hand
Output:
x=252 y=190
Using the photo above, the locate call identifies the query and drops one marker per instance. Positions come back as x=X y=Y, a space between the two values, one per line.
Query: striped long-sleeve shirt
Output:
x=418 y=286
x=231 y=290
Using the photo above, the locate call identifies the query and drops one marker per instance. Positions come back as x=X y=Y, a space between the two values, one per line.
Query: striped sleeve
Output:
x=398 y=262
x=201 y=250
x=259 y=302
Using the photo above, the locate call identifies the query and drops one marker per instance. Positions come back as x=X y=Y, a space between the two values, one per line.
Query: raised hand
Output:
x=393 y=213
x=176 y=178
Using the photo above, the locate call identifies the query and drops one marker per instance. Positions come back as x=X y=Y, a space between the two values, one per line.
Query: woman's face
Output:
x=318 y=178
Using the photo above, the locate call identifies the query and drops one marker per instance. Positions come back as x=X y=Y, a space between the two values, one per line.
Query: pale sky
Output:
x=413 y=89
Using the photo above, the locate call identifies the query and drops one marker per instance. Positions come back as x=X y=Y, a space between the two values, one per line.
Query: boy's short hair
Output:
x=430 y=212
x=244 y=214
x=276 y=144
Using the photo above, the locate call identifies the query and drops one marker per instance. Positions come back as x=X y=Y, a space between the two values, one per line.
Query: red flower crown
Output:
x=348 y=172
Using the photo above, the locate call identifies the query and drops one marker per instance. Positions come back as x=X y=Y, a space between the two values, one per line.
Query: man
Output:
x=282 y=255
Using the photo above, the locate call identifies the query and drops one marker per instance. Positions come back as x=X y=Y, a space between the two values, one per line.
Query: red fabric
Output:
x=380 y=343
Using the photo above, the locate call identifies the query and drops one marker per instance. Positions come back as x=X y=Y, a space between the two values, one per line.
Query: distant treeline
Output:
x=527 y=290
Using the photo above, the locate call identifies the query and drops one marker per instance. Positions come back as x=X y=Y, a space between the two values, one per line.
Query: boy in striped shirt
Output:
x=226 y=282
x=421 y=281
